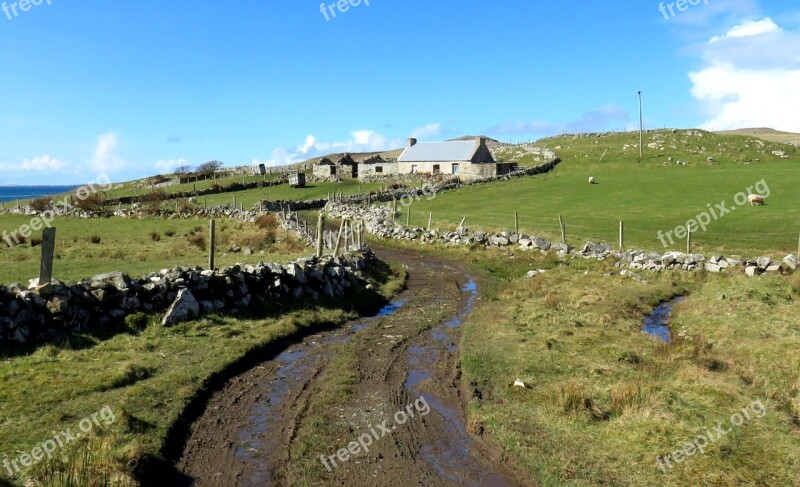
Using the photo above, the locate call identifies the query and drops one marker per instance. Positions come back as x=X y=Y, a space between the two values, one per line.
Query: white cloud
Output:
x=360 y=141
x=43 y=163
x=169 y=166
x=749 y=78
x=105 y=158
x=749 y=29
x=430 y=130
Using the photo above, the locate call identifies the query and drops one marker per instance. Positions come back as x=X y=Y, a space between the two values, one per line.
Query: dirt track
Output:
x=244 y=435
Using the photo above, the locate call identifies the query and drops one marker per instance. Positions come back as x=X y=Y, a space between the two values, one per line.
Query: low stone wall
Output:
x=379 y=222
x=37 y=316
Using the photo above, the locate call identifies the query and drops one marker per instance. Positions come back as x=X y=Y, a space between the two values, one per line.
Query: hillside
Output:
x=767 y=134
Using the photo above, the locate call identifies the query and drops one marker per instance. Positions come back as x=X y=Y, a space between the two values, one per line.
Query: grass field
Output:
x=649 y=196
x=139 y=246
x=147 y=374
x=603 y=400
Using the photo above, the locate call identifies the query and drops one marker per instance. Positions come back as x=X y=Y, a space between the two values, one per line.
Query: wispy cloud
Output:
x=169 y=166
x=105 y=158
x=43 y=163
x=609 y=117
x=430 y=130
x=360 y=141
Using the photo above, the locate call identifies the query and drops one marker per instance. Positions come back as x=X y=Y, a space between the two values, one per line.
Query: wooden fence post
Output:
x=516 y=222
x=430 y=220
x=394 y=208
x=463 y=220
x=48 y=251
x=621 y=235
x=339 y=237
x=212 y=232
x=563 y=229
x=688 y=239
x=320 y=225
x=408 y=216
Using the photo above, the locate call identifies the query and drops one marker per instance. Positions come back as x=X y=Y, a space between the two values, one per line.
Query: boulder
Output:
x=184 y=308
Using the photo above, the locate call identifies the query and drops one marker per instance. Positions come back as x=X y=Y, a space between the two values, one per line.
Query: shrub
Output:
x=155 y=237
x=90 y=203
x=268 y=221
x=94 y=239
x=41 y=204
x=198 y=240
x=36 y=241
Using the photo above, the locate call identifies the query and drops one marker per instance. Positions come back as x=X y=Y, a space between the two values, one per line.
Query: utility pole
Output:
x=641 y=129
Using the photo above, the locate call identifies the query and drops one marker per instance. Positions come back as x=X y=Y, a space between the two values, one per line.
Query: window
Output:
x=455 y=169
x=414 y=169
x=378 y=169
x=436 y=169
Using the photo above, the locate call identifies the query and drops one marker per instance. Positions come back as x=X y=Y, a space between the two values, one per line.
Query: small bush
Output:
x=155 y=237
x=197 y=240
x=268 y=221
x=95 y=239
x=36 y=241
x=41 y=204
x=137 y=321
x=90 y=203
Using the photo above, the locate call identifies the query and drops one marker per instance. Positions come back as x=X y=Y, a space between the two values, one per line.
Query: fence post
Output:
x=394 y=208
x=212 y=232
x=408 y=216
x=563 y=229
x=48 y=250
x=320 y=225
x=430 y=220
x=339 y=237
x=621 y=235
x=688 y=239
x=463 y=220
x=516 y=222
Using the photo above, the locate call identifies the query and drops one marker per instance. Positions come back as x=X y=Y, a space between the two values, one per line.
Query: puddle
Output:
x=657 y=323
x=294 y=366
x=449 y=457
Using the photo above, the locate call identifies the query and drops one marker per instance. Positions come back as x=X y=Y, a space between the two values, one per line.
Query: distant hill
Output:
x=770 y=135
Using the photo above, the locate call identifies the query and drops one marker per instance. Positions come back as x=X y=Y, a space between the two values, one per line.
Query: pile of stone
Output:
x=36 y=314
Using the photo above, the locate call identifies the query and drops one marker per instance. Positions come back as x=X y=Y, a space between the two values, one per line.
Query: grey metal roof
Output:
x=461 y=150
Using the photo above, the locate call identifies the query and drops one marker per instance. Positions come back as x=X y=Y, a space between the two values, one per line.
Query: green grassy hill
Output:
x=654 y=195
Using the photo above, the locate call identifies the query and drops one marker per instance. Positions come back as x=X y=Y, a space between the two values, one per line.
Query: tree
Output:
x=183 y=170
x=209 y=168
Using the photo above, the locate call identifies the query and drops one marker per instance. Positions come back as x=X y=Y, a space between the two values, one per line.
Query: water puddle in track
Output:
x=294 y=366
x=657 y=322
x=449 y=457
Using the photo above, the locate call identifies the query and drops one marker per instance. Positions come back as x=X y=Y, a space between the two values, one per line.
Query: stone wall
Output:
x=37 y=316
x=379 y=222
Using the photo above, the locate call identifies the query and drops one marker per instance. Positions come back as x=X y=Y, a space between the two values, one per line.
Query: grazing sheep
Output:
x=592 y=180
x=755 y=199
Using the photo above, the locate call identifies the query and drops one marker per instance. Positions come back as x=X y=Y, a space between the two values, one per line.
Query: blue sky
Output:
x=131 y=89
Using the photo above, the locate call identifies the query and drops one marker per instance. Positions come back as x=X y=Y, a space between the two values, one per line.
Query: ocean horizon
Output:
x=26 y=193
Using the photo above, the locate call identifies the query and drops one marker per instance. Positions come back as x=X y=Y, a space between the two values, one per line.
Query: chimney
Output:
x=481 y=141
x=412 y=142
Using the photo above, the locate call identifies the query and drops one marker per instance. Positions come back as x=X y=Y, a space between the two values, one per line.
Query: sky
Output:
x=131 y=89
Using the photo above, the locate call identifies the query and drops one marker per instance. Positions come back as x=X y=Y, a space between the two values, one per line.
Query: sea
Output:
x=26 y=193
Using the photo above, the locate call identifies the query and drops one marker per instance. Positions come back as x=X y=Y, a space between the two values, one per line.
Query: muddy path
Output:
x=246 y=433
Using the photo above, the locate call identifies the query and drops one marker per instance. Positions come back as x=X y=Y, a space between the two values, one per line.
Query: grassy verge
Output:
x=604 y=400
x=146 y=376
